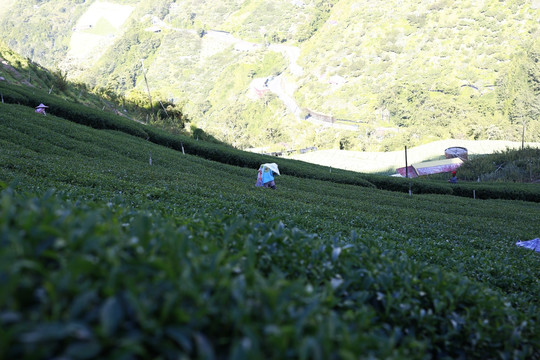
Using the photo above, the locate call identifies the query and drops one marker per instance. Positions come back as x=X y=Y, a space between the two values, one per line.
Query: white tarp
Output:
x=273 y=167
x=533 y=244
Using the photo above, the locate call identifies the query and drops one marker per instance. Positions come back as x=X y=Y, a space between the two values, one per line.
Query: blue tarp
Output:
x=533 y=244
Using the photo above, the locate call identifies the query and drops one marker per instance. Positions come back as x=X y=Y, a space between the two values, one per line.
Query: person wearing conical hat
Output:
x=40 y=109
x=266 y=174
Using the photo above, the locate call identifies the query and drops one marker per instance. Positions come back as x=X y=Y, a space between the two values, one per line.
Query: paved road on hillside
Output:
x=279 y=85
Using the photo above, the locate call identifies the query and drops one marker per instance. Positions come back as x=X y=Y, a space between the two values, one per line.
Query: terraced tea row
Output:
x=187 y=257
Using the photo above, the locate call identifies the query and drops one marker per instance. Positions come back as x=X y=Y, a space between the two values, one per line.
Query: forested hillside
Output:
x=375 y=75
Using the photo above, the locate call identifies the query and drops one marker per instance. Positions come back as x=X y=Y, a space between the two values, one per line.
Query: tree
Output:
x=519 y=88
x=171 y=115
x=404 y=102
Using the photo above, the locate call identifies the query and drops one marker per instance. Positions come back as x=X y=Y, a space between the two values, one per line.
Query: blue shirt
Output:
x=267 y=175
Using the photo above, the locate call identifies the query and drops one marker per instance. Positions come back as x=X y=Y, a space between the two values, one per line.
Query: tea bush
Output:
x=87 y=279
x=231 y=156
x=106 y=255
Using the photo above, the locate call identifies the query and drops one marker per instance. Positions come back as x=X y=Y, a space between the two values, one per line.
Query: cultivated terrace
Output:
x=118 y=243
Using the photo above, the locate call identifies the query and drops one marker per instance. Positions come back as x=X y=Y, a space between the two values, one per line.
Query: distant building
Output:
x=430 y=167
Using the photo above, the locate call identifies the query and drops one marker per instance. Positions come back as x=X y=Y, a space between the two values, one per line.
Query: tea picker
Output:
x=265 y=175
x=40 y=109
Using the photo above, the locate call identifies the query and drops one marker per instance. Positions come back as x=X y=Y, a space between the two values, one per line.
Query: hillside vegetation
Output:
x=225 y=154
x=16 y=69
x=115 y=246
x=399 y=72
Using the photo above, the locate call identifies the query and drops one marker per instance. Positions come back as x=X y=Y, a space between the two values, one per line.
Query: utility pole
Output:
x=523 y=134
x=406 y=165
x=148 y=89
x=407 y=171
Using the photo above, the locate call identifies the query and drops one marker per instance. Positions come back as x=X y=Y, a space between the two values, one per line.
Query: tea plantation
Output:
x=114 y=247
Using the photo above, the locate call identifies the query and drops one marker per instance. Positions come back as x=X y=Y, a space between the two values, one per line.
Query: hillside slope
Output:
x=16 y=69
x=425 y=72
x=106 y=253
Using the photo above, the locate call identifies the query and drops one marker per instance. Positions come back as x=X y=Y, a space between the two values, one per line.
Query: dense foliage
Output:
x=41 y=30
x=432 y=70
x=510 y=165
x=17 y=69
x=104 y=253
